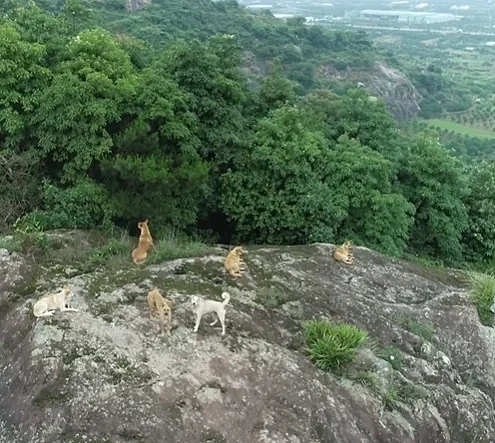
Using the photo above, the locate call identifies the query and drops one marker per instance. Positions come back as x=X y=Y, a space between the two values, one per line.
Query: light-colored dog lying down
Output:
x=47 y=305
x=201 y=307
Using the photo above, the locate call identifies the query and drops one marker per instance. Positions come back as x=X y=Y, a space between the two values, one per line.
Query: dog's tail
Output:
x=226 y=298
x=138 y=262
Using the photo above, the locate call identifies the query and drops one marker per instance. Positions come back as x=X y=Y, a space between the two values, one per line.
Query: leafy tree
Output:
x=277 y=194
x=22 y=78
x=157 y=171
x=216 y=91
x=76 y=15
x=295 y=187
x=275 y=92
x=376 y=215
x=19 y=179
x=433 y=182
x=356 y=116
x=480 y=237
x=89 y=88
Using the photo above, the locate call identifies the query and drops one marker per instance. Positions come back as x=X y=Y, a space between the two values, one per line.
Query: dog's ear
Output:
x=66 y=290
x=146 y=221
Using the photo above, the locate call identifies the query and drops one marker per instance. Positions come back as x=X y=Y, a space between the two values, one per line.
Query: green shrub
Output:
x=85 y=205
x=482 y=288
x=331 y=346
x=30 y=238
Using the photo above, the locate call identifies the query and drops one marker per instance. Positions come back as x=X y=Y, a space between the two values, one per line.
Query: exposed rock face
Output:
x=105 y=375
x=134 y=5
x=398 y=93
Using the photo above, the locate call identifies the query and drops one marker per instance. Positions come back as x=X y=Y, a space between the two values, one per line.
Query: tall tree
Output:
x=87 y=93
x=480 y=237
x=432 y=180
x=22 y=79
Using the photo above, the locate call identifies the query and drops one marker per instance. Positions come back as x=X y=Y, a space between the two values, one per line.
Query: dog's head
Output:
x=195 y=300
x=239 y=251
x=347 y=244
x=142 y=224
x=67 y=292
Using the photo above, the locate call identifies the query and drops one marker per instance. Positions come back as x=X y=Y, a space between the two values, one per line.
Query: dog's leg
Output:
x=198 y=319
x=64 y=309
x=46 y=314
x=222 y=320
x=214 y=322
x=169 y=322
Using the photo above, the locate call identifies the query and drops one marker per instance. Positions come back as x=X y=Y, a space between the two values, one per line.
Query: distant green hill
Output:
x=300 y=49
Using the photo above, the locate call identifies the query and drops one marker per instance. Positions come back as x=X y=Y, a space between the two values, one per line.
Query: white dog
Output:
x=201 y=307
x=47 y=305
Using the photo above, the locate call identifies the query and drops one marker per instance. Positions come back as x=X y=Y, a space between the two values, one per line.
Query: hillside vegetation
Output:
x=453 y=73
x=101 y=130
x=299 y=48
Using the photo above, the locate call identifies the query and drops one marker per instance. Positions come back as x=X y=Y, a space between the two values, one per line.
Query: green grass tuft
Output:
x=271 y=297
x=482 y=291
x=331 y=346
x=423 y=330
x=174 y=246
x=390 y=398
x=364 y=378
x=392 y=355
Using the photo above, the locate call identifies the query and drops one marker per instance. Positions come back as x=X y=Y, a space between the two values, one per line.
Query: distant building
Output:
x=408 y=16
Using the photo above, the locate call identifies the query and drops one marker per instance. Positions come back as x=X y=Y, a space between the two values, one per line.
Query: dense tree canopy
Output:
x=99 y=128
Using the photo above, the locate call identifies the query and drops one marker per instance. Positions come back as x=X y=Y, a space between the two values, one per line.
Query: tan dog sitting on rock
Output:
x=344 y=253
x=140 y=254
x=234 y=264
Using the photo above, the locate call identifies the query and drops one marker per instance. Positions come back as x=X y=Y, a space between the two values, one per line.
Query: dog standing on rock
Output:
x=140 y=254
x=201 y=307
x=158 y=305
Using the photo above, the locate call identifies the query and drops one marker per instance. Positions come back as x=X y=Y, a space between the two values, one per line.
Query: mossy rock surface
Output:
x=106 y=373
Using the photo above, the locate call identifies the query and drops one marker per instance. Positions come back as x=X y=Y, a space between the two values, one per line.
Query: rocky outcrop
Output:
x=390 y=85
x=134 y=5
x=105 y=375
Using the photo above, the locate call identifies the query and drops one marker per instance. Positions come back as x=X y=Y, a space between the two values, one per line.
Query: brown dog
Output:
x=158 y=305
x=344 y=253
x=234 y=264
x=140 y=254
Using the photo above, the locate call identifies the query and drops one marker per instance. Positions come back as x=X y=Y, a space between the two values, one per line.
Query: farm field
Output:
x=460 y=128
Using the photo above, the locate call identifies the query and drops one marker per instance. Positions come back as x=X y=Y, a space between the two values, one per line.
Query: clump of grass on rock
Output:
x=174 y=245
x=482 y=288
x=332 y=346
